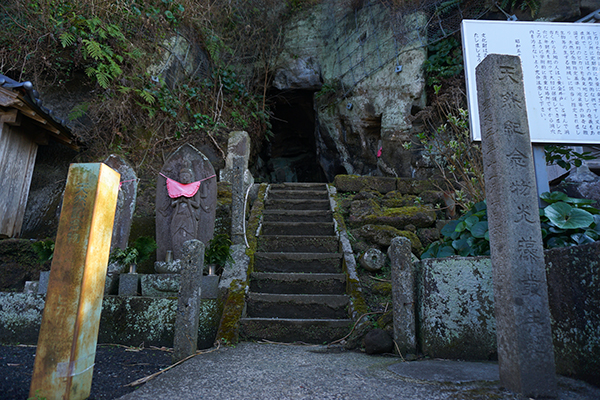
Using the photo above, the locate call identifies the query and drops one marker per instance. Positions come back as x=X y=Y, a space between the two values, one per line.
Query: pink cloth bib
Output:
x=176 y=189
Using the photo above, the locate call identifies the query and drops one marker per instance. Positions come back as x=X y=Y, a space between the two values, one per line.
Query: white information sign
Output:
x=560 y=73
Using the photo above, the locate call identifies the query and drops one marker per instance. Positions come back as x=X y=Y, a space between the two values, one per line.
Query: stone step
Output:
x=297 y=216
x=299 y=186
x=298 y=228
x=298 y=262
x=297 y=244
x=298 y=194
x=297 y=204
x=294 y=330
x=297 y=283
x=297 y=306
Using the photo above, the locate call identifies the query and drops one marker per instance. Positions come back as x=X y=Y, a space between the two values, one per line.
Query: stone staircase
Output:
x=297 y=290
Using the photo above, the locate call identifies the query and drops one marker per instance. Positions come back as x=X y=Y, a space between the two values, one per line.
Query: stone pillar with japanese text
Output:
x=525 y=351
x=66 y=349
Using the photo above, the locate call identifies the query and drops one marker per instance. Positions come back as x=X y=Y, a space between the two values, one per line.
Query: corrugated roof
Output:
x=26 y=99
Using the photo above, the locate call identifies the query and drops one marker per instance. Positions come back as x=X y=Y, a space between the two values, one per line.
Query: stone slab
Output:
x=447 y=371
x=125 y=201
x=43 y=285
x=31 y=287
x=210 y=286
x=129 y=285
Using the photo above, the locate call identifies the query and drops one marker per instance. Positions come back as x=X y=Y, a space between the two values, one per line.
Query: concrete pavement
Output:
x=278 y=371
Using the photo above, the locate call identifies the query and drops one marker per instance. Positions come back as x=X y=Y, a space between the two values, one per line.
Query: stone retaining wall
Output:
x=130 y=321
x=456 y=308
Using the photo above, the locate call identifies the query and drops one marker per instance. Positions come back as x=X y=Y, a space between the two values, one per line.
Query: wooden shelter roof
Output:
x=23 y=97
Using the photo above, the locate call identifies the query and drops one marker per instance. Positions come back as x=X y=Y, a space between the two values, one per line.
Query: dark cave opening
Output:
x=291 y=154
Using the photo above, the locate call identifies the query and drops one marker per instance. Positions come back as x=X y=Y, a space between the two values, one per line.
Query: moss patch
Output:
x=229 y=327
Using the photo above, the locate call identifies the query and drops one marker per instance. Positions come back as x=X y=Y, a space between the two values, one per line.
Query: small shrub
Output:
x=44 y=250
x=218 y=251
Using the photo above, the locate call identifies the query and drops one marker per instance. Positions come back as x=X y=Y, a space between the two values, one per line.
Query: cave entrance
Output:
x=291 y=154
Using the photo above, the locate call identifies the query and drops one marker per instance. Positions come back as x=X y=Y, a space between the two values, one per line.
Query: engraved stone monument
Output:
x=69 y=330
x=523 y=331
x=186 y=197
x=125 y=201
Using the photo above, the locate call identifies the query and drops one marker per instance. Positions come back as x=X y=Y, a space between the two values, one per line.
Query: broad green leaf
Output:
x=567 y=217
x=480 y=229
x=553 y=197
x=449 y=228
x=461 y=245
x=481 y=206
x=445 y=251
x=470 y=221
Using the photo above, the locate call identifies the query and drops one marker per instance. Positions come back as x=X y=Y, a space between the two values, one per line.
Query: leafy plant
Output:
x=567 y=221
x=466 y=236
x=44 y=250
x=142 y=249
x=103 y=46
x=218 y=251
x=444 y=61
x=565 y=157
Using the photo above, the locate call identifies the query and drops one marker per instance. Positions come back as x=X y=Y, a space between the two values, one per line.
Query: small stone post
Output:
x=188 y=305
x=525 y=352
x=403 y=288
x=238 y=198
x=68 y=336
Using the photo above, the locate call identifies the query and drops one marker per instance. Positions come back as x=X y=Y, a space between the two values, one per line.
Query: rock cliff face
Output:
x=365 y=73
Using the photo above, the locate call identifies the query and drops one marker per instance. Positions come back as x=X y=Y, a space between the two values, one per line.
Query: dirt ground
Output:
x=115 y=367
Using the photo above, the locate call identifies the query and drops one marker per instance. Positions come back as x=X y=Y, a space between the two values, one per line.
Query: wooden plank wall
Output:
x=17 y=159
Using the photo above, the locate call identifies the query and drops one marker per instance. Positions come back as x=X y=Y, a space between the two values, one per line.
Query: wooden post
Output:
x=69 y=330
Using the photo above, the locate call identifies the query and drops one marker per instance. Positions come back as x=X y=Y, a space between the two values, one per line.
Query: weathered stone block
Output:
x=355 y=183
x=210 y=286
x=129 y=285
x=574 y=298
x=412 y=186
x=160 y=285
x=43 y=286
x=418 y=216
x=31 y=287
x=456 y=308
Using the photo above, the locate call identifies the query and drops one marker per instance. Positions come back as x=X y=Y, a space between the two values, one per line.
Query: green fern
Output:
x=147 y=96
x=93 y=49
x=67 y=39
